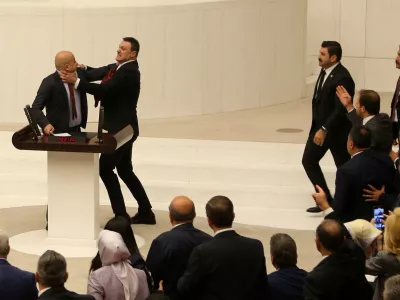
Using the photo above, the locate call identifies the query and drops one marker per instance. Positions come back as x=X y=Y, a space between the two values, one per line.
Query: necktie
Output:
x=73 y=103
x=106 y=78
x=396 y=99
x=320 y=82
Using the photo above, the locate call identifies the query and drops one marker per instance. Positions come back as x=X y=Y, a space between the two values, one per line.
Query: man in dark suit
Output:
x=394 y=106
x=169 y=253
x=366 y=167
x=288 y=281
x=119 y=94
x=15 y=284
x=366 y=112
x=66 y=108
x=341 y=273
x=230 y=266
x=51 y=276
x=329 y=126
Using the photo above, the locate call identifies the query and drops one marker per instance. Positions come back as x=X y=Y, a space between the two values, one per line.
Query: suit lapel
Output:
x=61 y=87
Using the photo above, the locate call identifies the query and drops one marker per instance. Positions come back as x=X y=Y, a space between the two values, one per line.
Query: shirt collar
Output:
x=365 y=120
x=120 y=65
x=42 y=291
x=357 y=153
x=223 y=230
x=330 y=69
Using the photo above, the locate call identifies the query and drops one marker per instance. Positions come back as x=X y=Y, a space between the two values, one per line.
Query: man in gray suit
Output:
x=366 y=112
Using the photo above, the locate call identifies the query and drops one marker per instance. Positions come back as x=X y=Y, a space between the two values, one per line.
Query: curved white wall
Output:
x=196 y=58
x=368 y=32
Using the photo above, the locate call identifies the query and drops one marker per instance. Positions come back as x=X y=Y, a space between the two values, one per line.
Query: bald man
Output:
x=66 y=107
x=170 y=252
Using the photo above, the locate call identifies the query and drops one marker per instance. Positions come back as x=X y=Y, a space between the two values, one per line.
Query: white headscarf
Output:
x=113 y=252
x=363 y=233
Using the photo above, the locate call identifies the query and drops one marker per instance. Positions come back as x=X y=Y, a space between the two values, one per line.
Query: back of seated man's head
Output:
x=360 y=138
x=283 y=251
x=369 y=102
x=181 y=210
x=4 y=246
x=220 y=213
x=392 y=288
x=51 y=270
x=330 y=237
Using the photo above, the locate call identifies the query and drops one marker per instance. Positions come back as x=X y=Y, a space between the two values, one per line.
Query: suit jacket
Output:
x=381 y=130
x=169 y=254
x=61 y=293
x=396 y=107
x=16 y=284
x=327 y=110
x=229 y=267
x=340 y=276
x=368 y=167
x=53 y=96
x=286 y=284
x=119 y=95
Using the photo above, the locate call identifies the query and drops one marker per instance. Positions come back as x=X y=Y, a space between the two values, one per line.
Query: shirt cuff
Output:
x=327 y=211
x=77 y=83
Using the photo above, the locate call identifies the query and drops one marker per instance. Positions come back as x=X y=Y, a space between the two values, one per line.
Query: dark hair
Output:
x=334 y=48
x=220 y=211
x=283 y=250
x=371 y=101
x=52 y=269
x=180 y=217
x=123 y=227
x=135 y=46
x=331 y=235
x=361 y=136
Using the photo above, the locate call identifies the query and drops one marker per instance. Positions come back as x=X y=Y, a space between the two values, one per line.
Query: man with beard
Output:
x=330 y=126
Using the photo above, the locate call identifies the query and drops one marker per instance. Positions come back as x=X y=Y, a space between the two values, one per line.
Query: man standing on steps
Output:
x=395 y=107
x=329 y=126
x=119 y=94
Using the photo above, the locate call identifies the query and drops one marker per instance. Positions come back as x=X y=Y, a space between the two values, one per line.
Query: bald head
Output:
x=182 y=210
x=331 y=235
x=65 y=61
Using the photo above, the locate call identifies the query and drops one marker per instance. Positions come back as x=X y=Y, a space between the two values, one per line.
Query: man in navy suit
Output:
x=15 y=284
x=170 y=252
x=288 y=281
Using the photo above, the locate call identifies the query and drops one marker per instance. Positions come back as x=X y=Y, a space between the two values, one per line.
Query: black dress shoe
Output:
x=314 y=209
x=148 y=219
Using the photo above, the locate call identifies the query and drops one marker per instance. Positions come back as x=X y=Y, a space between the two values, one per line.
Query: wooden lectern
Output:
x=73 y=180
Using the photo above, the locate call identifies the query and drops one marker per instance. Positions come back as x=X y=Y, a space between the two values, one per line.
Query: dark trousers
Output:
x=121 y=159
x=314 y=153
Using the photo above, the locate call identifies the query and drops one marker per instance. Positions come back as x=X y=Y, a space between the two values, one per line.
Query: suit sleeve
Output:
x=354 y=119
x=333 y=119
x=42 y=97
x=194 y=273
x=342 y=184
x=262 y=279
x=32 y=289
x=120 y=80
x=156 y=261
x=311 y=288
x=95 y=288
x=95 y=74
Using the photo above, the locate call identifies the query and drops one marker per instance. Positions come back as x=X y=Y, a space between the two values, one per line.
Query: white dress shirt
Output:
x=327 y=73
x=42 y=291
x=223 y=230
x=367 y=119
x=78 y=120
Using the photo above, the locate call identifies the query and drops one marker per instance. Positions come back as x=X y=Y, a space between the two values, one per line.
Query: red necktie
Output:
x=106 y=78
x=396 y=99
x=73 y=104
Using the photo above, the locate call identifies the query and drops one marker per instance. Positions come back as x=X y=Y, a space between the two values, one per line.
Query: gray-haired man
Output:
x=51 y=275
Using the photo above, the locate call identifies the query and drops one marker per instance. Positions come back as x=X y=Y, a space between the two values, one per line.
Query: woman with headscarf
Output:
x=116 y=279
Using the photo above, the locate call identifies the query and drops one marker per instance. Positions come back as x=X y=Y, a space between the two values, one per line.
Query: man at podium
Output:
x=66 y=107
x=119 y=93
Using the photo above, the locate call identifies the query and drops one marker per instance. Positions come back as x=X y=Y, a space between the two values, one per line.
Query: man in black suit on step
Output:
x=230 y=266
x=169 y=253
x=66 y=108
x=119 y=94
x=330 y=126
